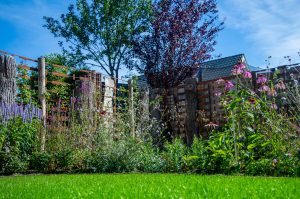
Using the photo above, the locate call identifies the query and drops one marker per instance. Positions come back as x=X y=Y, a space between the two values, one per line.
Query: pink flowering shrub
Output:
x=256 y=132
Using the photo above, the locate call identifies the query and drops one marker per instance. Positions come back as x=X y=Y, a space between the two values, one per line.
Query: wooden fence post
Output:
x=42 y=97
x=108 y=94
x=191 y=107
x=131 y=107
x=115 y=94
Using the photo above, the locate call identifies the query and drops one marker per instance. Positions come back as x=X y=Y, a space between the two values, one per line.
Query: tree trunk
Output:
x=7 y=79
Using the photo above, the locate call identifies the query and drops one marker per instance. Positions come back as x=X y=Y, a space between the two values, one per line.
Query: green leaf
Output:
x=251 y=146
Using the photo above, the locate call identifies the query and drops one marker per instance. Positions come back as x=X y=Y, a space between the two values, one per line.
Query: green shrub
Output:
x=220 y=153
x=173 y=155
x=19 y=137
x=40 y=161
x=18 y=140
x=148 y=159
x=115 y=156
x=63 y=159
x=11 y=163
x=196 y=159
x=286 y=165
x=80 y=160
x=260 y=167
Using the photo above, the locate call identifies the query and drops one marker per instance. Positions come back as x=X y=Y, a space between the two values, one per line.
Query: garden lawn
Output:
x=147 y=186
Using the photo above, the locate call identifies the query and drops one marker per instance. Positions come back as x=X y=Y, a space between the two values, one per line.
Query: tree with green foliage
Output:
x=99 y=32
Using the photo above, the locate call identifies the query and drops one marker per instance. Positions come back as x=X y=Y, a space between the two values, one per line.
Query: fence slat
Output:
x=23 y=76
x=27 y=67
x=59 y=74
x=58 y=83
x=58 y=66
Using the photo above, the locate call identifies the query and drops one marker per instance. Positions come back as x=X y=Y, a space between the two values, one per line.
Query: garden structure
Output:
x=196 y=102
x=192 y=105
x=36 y=76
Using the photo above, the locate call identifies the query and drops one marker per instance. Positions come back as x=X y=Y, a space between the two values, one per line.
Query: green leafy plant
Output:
x=18 y=141
x=40 y=161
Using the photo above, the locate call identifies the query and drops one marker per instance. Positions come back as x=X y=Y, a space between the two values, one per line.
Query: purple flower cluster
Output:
x=263 y=86
x=240 y=69
x=85 y=87
x=26 y=112
x=76 y=103
x=228 y=85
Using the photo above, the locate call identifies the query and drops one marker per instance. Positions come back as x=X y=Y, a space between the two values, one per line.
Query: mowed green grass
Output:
x=147 y=186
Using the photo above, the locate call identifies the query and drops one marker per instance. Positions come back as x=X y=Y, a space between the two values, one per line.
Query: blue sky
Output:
x=258 y=28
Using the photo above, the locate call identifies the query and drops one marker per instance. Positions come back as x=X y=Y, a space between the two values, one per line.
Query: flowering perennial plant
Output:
x=27 y=112
x=261 y=79
x=229 y=85
x=256 y=132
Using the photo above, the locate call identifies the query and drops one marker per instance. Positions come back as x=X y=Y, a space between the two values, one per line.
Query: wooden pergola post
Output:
x=131 y=107
x=42 y=97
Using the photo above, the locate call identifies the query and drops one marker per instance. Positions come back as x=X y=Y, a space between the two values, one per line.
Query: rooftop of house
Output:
x=222 y=67
x=214 y=69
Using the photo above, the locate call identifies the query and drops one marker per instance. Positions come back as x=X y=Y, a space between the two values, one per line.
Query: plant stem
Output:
x=234 y=136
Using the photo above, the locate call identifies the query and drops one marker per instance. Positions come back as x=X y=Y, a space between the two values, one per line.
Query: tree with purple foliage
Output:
x=181 y=37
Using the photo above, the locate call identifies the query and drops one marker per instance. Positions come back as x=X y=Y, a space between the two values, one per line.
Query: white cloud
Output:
x=273 y=26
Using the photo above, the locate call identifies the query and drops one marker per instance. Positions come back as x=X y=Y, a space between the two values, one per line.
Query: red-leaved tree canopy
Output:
x=182 y=35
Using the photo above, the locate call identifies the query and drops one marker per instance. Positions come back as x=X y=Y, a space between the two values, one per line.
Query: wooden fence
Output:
x=190 y=105
x=194 y=104
x=100 y=92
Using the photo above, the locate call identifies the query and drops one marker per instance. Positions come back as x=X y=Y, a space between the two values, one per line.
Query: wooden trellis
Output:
x=102 y=98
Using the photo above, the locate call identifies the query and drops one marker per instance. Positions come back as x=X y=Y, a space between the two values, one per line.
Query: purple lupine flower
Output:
x=73 y=100
x=76 y=107
x=26 y=112
x=261 y=79
x=85 y=87
x=23 y=115
x=247 y=74
x=59 y=104
x=228 y=85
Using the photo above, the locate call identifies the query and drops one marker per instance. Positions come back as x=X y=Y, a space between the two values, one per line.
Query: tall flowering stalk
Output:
x=27 y=112
x=239 y=103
